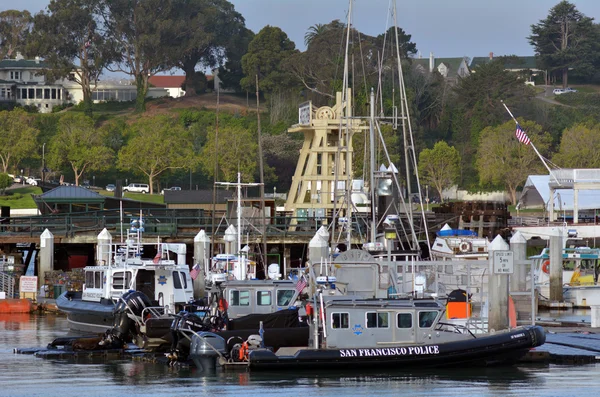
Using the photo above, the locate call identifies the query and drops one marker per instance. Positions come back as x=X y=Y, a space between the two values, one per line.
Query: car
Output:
x=137 y=188
x=18 y=179
x=569 y=89
x=172 y=189
x=110 y=187
x=33 y=181
x=558 y=91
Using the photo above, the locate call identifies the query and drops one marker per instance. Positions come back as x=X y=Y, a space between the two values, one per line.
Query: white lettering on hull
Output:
x=391 y=351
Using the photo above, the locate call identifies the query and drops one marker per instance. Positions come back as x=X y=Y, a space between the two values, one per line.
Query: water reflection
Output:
x=117 y=377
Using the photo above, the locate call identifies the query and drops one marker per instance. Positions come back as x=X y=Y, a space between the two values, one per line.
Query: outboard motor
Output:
x=206 y=349
x=183 y=327
x=124 y=328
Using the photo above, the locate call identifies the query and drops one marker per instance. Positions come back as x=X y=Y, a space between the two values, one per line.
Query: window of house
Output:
x=404 y=320
x=263 y=298
x=15 y=75
x=38 y=93
x=54 y=93
x=340 y=320
x=426 y=319
x=46 y=93
x=377 y=319
x=23 y=93
x=239 y=298
x=31 y=93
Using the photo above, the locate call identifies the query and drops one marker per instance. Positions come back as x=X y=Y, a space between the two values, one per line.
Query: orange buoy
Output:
x=15 y=306
x=546 y=267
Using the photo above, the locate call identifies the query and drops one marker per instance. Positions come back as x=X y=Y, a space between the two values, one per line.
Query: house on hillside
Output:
x=173 y=84
x=450 y=68
x=21 y=82
x=511 y=63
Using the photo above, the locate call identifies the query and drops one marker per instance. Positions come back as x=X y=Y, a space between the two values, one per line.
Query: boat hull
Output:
x=499 y=349
x=86 y=317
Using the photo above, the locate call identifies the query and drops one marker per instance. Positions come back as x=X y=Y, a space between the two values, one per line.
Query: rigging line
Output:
x=363 y=65
x=337 y=65
x=343 y=110
x=395 y=177
x=406 y=117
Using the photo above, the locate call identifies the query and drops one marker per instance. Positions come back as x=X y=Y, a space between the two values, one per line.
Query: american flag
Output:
x=522 y=136
x=301 y=284
x=194 y=272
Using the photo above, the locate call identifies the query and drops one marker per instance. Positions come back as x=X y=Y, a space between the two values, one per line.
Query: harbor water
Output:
x=27 y=375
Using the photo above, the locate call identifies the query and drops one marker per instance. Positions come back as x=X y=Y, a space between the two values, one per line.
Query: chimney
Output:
x=491 y=56
x=431 y=63
x=19 y=56
x=37 y=59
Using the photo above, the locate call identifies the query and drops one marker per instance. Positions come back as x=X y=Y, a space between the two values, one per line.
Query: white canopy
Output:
x=536 y=194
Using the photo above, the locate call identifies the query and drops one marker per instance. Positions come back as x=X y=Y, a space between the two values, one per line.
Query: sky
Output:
x=448 y=28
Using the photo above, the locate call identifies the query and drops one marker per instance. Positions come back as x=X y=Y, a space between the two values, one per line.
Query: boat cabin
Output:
x=361 y=324
x=259 y=296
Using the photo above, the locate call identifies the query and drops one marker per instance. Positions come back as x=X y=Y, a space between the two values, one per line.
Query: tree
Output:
x=504 y=161
x=5 y=182
x=439 y=166
x=231 y=73
x=407 y=47
x=156 y=144
x=208 y=30
x=237 y=152
x=70 y=39
x=565 y=40
x=579 y=147
x=80 y=146
x=142 y=32
x=313 y=32
x=478 y=104
x=266 y=54
x=14 y=29
x=17 y=137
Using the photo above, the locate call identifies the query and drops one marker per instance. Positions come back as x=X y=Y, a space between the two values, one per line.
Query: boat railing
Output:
x=450 y=327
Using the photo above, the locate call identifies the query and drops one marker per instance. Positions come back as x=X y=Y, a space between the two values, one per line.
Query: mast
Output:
x=215 y=177
x=262 y=184
x=372 y=168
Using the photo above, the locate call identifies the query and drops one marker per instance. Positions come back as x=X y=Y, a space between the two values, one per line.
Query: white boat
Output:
x=162 y=282
x=581 y=267
x=459 y=244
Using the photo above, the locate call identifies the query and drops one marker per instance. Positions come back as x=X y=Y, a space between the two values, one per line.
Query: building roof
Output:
x=167 y=81
x=453 y=64
x=22 y=63
x=511 y=63
x=71 y=193
x=536 y=193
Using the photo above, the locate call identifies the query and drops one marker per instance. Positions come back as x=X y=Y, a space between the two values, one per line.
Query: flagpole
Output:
x=532 y=145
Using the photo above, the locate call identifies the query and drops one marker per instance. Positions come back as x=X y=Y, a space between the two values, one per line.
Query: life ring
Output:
x=546 y=266
x=464 y=246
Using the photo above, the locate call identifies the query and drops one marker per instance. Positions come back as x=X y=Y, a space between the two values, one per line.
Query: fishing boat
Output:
x=162 y=284
x=580 y=270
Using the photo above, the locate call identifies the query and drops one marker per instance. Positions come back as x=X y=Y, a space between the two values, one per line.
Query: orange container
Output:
x=458 y=310
x=15 y=306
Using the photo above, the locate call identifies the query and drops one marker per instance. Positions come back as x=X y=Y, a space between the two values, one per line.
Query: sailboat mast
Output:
x=372 y=161
x=262 y=183
x=239 y=215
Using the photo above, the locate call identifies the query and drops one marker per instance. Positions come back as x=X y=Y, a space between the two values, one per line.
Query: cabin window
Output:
x=184 y=279
x=89 y=279
x=98 y=279
x=239 y=298
x=263 y=298
x=426 y=319
x=340 y=320
x=176 y=280
x=121 y=280
x=377 y=320
x=404 y=320
x=285 y=296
